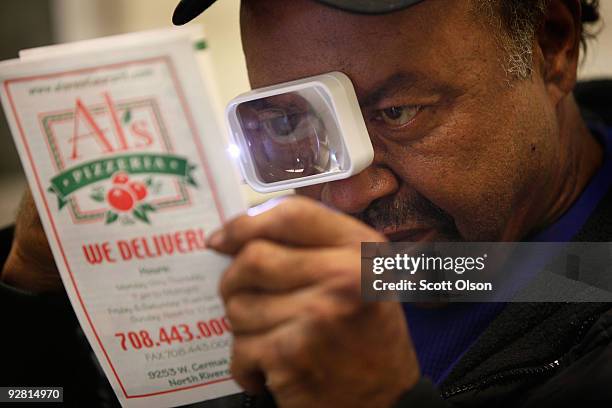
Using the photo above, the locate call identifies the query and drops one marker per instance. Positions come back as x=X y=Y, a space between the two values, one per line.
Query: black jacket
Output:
x=531 y=355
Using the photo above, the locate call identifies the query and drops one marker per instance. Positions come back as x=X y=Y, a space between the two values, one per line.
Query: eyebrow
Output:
x=401 y=81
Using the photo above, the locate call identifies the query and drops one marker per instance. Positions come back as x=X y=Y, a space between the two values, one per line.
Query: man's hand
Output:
x=30 y=265
x=293 y=298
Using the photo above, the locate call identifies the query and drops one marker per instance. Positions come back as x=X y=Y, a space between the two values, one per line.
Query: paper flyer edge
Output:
x=50 y=231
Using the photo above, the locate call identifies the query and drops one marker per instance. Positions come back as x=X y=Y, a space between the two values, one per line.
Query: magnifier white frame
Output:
x=339 y=93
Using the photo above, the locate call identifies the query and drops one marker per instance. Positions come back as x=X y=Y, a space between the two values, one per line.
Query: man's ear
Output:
x=559 y=40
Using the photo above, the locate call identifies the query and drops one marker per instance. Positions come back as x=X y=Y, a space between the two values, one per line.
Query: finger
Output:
x=30 y=264
x=27 y=213
x=28 y=226
x=246 y=365
x=294 y=221
x=253 y=313
x=266 y=266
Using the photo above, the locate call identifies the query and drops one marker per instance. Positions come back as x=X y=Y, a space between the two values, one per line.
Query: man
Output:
x=477 y=137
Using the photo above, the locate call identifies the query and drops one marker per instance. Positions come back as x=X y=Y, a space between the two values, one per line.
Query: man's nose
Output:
x=355 y=194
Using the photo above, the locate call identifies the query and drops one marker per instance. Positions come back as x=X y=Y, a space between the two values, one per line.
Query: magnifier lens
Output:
x=288 y=137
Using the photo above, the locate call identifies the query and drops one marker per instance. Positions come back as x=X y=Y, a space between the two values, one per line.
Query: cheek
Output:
x=313 y=192
x=479 y=166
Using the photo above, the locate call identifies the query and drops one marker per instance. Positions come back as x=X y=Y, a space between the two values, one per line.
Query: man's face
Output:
x=462 y=151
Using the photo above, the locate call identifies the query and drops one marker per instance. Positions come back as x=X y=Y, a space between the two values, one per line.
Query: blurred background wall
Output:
x=82 y=19
x=31 y=23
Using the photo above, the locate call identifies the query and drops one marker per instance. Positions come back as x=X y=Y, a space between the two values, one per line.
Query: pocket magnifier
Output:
x=299 y=133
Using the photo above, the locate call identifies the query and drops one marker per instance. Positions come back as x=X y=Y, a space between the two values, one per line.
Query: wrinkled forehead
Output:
x=284 y=40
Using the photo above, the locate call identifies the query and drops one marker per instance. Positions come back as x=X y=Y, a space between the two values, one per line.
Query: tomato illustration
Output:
x=120 y=178
x=120 y=199
x=139 y=190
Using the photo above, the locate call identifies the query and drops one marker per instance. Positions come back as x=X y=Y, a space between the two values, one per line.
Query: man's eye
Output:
x=397 y=116
x=281 y=125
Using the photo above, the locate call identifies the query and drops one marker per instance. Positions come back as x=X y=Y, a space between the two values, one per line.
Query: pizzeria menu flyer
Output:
x=122 y=147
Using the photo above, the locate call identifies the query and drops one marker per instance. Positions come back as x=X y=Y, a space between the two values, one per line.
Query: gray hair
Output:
x=518 y=21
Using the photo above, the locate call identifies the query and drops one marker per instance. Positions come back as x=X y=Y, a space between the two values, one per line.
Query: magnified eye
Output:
x=397 y=116
x=288 y=136
x=279 y=122
x=287 y=126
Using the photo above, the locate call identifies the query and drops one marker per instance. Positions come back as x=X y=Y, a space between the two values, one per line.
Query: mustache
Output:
x=407 y=208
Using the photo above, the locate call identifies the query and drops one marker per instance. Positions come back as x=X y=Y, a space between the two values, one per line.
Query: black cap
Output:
x=187 y=10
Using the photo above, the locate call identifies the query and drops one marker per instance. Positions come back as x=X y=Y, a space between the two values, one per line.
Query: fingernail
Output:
x=216 y=239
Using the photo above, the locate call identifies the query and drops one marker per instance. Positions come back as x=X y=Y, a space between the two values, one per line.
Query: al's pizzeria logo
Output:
x=115 y=162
